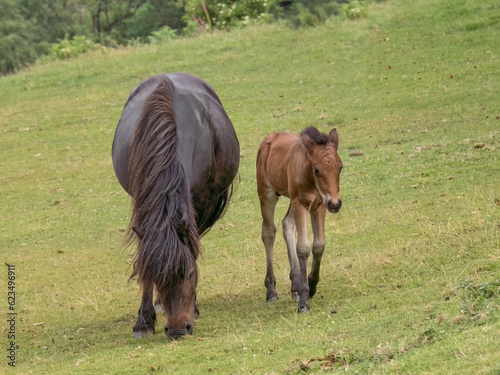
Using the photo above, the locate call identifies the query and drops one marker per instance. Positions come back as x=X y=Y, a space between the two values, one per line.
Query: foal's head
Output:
x=325 y=165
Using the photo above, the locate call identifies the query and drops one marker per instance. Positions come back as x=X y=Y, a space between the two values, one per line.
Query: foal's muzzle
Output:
x=334 y=207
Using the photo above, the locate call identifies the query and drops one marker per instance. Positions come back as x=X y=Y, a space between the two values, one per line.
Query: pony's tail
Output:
x=163 y=217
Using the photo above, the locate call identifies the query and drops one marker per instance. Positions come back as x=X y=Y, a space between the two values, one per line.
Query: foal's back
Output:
x=273 y=158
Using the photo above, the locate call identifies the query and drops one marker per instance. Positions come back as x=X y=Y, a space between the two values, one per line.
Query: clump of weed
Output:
x=479 y=300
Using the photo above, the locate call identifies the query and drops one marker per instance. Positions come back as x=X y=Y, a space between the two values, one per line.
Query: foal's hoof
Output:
x=303 y=309
x=142 y=334
x=272 y=299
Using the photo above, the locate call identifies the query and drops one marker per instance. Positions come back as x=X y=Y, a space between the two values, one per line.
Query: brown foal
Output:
x=306 y=169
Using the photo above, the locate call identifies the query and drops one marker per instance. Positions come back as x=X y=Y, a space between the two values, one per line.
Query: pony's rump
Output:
x=162 y=211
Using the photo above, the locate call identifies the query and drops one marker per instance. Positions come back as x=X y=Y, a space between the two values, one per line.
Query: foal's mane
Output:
x=320 y=139
x=163 y=218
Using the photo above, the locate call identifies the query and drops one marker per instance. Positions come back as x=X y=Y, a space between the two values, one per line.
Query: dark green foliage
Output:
x=20 y=42
x=28 y=28
x=308 y=12
x=153 y=16
x=51 y=20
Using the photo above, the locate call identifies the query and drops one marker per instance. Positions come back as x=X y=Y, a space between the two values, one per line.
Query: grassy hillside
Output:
x=410 y=278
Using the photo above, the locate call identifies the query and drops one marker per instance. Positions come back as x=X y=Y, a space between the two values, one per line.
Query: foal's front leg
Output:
x=145 y=324
x=318 y=226
x=289 y=231
x=303 y=250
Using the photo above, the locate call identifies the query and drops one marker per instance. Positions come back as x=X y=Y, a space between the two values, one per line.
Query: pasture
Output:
x=410 y=275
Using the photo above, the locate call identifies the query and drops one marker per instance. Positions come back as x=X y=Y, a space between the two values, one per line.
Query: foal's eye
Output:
x=316 y=171
x=191 y=275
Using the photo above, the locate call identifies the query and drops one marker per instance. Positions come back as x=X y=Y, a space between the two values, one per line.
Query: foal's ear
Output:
x=334 y=137
x=307 y=142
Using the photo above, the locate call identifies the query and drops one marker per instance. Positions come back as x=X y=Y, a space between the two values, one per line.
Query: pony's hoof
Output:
x=303 y=309
x=142 y=334
x=272 y=299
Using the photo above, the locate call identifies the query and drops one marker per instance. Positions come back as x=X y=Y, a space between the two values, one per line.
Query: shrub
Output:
x=67 y=48
x=162 y=35
x=225 y=14
x=355 y=9
x=307 y=13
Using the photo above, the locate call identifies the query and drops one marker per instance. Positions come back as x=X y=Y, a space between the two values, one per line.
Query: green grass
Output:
x=413 y=258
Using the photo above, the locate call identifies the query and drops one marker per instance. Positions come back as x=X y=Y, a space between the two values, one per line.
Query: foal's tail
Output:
x=163 y=217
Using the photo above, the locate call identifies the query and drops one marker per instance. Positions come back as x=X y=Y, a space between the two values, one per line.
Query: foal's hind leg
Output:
x=145 y=324
x=318 y=226
x=268 y=199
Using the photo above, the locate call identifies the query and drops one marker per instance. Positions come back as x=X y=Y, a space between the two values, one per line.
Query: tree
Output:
x=153 y=15
x=111 y=14
x=19 y=42
x=52 y=20
x=29 y=27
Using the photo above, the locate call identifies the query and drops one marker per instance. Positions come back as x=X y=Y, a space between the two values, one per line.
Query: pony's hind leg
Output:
x=268 y=199
x=145 y=324
x=318 y=226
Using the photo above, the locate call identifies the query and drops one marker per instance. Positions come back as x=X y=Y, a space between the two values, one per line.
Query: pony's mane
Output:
x=316 y=136
x=163 y=218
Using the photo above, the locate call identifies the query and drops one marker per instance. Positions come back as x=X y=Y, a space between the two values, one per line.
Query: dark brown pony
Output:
x=306 y=169
x=176 y=153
